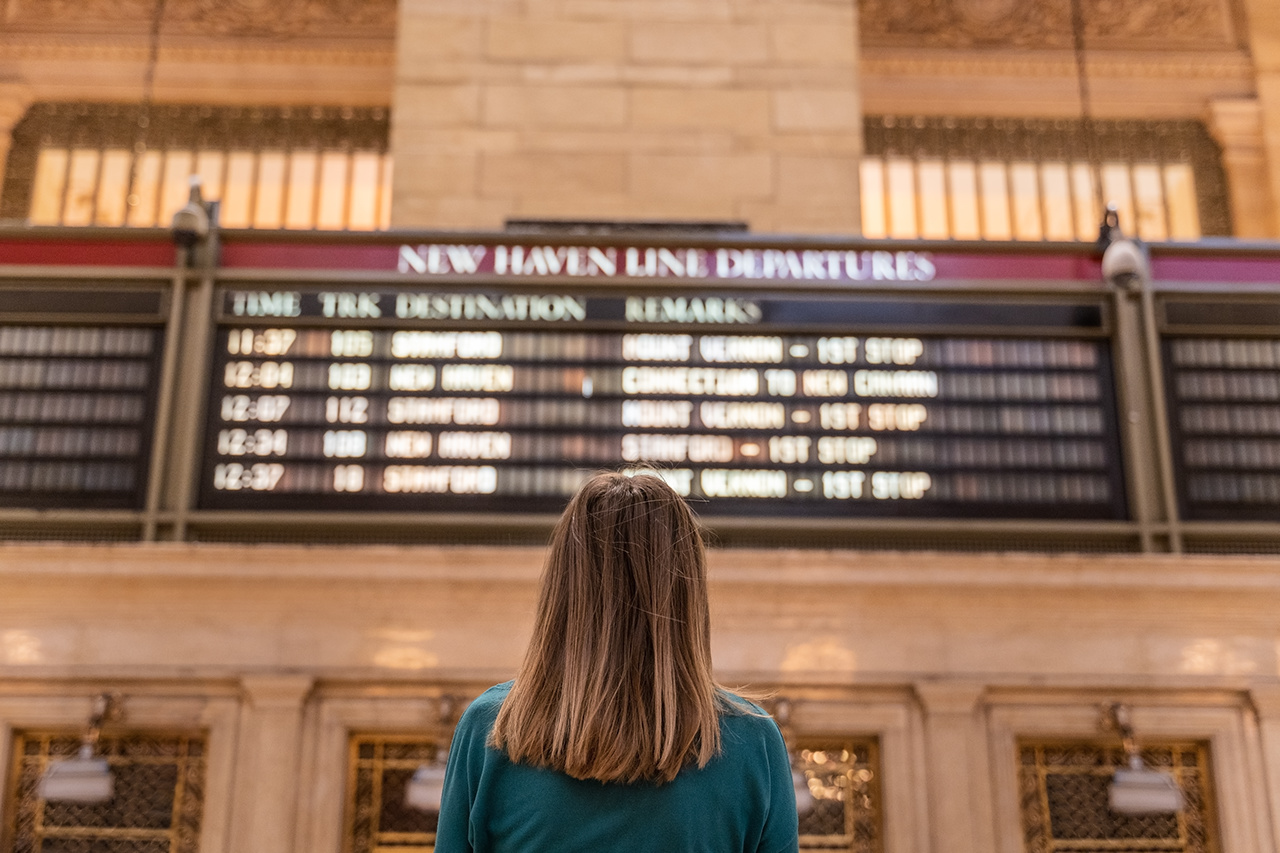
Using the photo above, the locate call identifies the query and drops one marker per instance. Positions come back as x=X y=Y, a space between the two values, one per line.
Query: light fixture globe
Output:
x=804 y=797
x=1137 y=790
x=426 y=786
x=83 y=779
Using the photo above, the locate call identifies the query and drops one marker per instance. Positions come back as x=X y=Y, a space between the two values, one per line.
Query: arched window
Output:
x=270 y=167
x=1039 y=179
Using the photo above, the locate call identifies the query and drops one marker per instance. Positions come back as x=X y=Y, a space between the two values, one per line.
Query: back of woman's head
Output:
x=616 y=684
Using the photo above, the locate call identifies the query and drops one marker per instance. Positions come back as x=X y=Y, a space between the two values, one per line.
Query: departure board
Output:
x=1224 y=404
x=781 y=405
x=77 y=398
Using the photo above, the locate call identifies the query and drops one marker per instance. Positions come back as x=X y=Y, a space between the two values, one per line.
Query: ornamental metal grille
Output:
x=844 y=778
x=270 y=167
x=157 y=806
x=1064 y=800
x=1040 y=179
x=377 y=819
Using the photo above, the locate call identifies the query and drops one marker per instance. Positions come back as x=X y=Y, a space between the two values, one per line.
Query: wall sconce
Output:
x=84 y=779
x=1136 y=790
x=804 y=796
x=426 y=786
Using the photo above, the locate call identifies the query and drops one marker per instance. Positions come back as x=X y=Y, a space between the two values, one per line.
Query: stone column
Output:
x=733 y=110
x=1236 y=124
x=1264 y=43
x=958 y=777
x=265 y=809
x=1266 y=701
x=14 y=101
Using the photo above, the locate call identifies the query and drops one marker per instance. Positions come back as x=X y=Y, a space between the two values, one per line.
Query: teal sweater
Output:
x=743 y=801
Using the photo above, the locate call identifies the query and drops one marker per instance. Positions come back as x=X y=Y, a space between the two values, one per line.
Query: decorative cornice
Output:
x=1143 y=24
x=53 y=48
x=234 y=18
x=1044 y=64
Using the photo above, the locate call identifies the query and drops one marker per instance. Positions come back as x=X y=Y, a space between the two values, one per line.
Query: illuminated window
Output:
x=377 y=819
x=270 y=167
x=1015 y=179
x=156 y=808
x=844 y=778
x=1064 y=800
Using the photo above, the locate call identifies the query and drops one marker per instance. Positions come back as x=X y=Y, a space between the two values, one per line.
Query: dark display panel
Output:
x=76 y=407
x=771 y=405
x=1224 y=413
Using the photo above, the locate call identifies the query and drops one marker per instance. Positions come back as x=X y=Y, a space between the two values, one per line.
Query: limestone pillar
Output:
x=14 y=101
x=726 y=110
x=956 y=764
x=1236 y=124
x=267 y=785
x=1264 y=43
x=1266 y=701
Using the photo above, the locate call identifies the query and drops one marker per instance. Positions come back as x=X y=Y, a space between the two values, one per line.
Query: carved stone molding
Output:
x=1182 y=66
x=285 y=17
x=1236 y=125
x=1146 y=24
x=52 y=48
x=949 y=698
x=324 y=19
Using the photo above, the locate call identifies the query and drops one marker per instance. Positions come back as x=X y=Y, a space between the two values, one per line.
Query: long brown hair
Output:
x=616 y=684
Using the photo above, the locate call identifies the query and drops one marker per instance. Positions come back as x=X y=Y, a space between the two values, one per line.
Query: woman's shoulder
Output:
x=736 y=705
x=489 y=701
x=483 y=709
x=741 y=715
x=492 y=697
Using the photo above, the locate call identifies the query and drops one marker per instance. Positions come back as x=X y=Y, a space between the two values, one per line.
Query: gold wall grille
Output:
x=1038 y=179
x=844 y=778
x=269 y=167
x=1064 y=800
x=377 y=819
x=157 y=807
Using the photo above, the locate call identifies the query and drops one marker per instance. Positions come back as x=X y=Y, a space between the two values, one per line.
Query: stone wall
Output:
x=724 y=110
x=281 y=653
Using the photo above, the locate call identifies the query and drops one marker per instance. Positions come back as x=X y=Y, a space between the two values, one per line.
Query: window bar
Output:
x=316 y=179
x=948 y=197
x=1042 y=774
x=917 y=192
x=377 y=190
x=1044 y=198
x=348 y=189
x=979 y=207
x=1162 y=163
x=379 y=755
x=253 y=186
x=179 y=788
x=225 y=169
x=66 y=186
x=288 y=186
x=1134 y=200
x=885 y=193
x=97 y=184
x=1072 y=204
x=206 y=189
x=1009 y=190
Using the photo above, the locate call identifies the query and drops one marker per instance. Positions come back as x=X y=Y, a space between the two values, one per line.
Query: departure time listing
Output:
x=357 y=414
